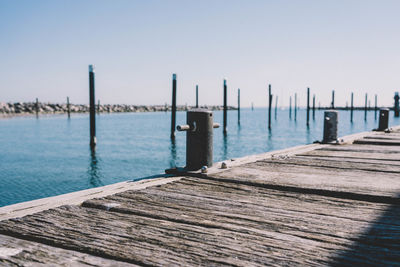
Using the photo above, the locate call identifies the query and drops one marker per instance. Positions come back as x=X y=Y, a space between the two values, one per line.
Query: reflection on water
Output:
x=172 y=148
x=94 y=171
x=270 y=144
x=309 y=136
x=225 y=146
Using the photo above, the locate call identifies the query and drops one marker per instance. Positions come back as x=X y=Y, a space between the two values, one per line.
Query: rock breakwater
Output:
x=22 y=108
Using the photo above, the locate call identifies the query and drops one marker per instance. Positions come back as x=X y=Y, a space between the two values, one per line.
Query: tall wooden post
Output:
x=308 y=106
x=197 y=96
x=376 y=105
x=225 y=107
x=313 y=107
x=92 y=107
x=295 y=106
x=173 y=114
x=351 y=107
x=98 y=106
x=276 y=107
x=366 y=107
x=37 y=107
x=333 y=99
x=68 y=108
x=396 y=105
x=269 y=106
x=290 y=107
x=239 y=106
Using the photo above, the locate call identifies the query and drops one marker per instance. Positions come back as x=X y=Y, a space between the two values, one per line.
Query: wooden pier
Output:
x=312 y=205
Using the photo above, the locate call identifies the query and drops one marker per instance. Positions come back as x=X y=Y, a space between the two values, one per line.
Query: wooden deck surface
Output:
x=331 y=205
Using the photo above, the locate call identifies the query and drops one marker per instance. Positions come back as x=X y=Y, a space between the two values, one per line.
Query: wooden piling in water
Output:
x=239 y=106
x=37 y=107
x=351 y=108
x=290 y=107
x=197 y=96
x=173 y=113
x=333 y=99
x=376 y=105
x=313 y=107
x=68 y=108
x=308 y=106
x=98 y=107
x=92 y=110
x=225 y=107
x=295 y=106
x=396 y=105
x=276 y=107
x=269 y=106
x=366 y=107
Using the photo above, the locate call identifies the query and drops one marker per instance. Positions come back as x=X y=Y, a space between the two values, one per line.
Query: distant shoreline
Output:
x=8 y=110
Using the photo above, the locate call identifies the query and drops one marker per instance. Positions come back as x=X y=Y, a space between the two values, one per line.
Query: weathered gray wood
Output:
x=345 y=154
x=383 y=137
x=18 y=252
x=315 y=178
x=209 y=222
x=338 y=164
x=389 y=164
x=376 y=141
x=362 y=148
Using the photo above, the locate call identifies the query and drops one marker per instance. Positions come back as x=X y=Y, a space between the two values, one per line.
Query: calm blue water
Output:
x=51 y=156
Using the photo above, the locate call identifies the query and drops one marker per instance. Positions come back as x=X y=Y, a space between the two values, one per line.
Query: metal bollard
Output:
x=383 y=119
x=199 y=138
x=330 y=126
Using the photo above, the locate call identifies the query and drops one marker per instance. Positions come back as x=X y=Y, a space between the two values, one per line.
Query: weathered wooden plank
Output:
x=76 y=198
x=320 y=180
x=337 y=164
x=385 y=157
x=383 y=137
x=392 y=165
x=272 y=227
x=361 y=148
x=376 y=141
x=210 y=196
x=18 y=252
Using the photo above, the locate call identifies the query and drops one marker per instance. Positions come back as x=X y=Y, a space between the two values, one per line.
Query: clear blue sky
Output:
x=46 y=46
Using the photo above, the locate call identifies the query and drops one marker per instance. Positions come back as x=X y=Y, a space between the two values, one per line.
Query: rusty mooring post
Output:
x=383 y=119
x=173 y=113
x=92 y=107
x=333 y=99
x=199 y=138
x=330 y=126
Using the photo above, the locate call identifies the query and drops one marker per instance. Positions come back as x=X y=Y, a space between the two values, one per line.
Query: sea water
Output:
x=50 y=155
